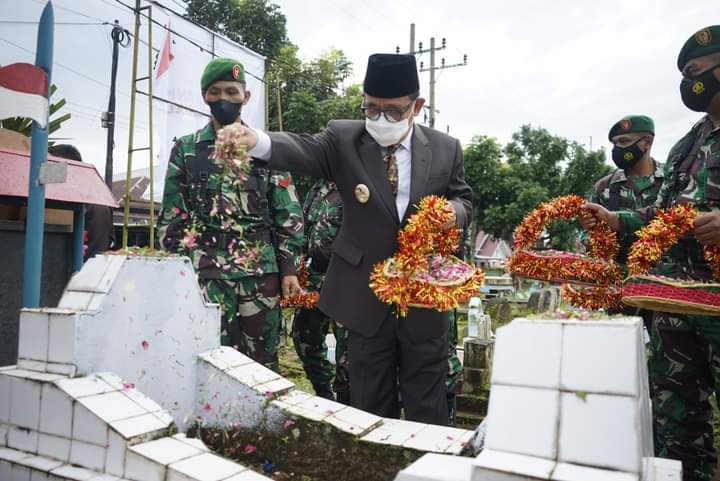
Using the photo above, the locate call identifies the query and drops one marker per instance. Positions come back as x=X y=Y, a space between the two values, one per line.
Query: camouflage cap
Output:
x=703 y=42
x=222 y=69
x=631 y=124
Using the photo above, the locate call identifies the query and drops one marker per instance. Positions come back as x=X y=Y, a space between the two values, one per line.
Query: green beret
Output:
x=703 y=42
x=222 y=69
x=631 y=124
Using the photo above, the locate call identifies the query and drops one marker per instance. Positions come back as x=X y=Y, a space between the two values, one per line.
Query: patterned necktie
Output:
x=391 y=167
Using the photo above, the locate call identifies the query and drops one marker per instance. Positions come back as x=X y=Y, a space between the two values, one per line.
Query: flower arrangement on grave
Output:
x=666 y=294
x=424 y=272
x=597 y=268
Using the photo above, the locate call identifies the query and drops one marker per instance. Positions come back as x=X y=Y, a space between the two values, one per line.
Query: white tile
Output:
x=23 y=440
x=393 y=432
x=139 y=467
x=116 y=382
x=83 y=386
x=275 y=388
x=73 y=473
x=528 y=354
x=523 y=420
x=54 y=447
x=43 y=377
x=68 y=370
x=41 y=463
x=438 y=467
x=31 y=365
x=5 y=470
x=19 y=473
x=138 y=426
x=203 y=467
x=87 y=455
x=107 y=477
x=33 y=342
x=164 y=417
x=657 y=469
x=354 y=421
x=88 y=278
x=5 y=382
x=252 y=374
x=573 y=472
x=75 y=300
x=4 y=428
x=38 y=476
x=112 y=406
x=322 y=406
x=55 y=412
x=87 y=427
x=490 y=462
x=142 y=400
x=194 y=442
x=114 y=265
x=96 y=302
x=12 y=455
x=225 y=357
x=62 y=338
x=434 y=438
x=25 y=403
x=589 y=365
x=292 y=398
x=600 y=430
x=460 y=443
x=115 y=456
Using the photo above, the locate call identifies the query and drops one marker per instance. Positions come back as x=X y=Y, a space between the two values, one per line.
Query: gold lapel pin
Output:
x=362 y=193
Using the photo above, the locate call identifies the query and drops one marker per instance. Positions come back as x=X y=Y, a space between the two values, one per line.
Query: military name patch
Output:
x=236 y=71
x=703 y=37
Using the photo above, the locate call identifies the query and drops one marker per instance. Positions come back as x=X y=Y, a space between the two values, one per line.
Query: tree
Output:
x=537 y=166
x=257 y=24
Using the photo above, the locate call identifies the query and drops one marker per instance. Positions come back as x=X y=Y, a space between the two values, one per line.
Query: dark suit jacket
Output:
x=346 y=154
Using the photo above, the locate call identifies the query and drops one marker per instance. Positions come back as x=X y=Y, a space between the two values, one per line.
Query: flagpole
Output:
x=150 y=130
x=34 y=225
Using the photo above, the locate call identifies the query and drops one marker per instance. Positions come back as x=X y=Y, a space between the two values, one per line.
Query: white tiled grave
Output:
x=568 y=402
x=132 y=349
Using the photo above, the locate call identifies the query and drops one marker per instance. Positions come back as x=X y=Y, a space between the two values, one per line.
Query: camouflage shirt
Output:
x=633 y=193
x=692 y=175
x=229 y=229
x=323 y=217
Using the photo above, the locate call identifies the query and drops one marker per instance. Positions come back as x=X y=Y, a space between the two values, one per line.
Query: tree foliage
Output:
x=535 y=166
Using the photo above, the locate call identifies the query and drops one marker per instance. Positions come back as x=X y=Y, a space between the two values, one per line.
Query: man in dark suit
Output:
x=382 y=168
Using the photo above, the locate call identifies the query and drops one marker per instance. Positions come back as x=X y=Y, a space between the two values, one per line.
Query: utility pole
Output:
x=120 y=38
x=432 y=68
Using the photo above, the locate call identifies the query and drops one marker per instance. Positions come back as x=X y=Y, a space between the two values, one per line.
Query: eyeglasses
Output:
x=391 y=115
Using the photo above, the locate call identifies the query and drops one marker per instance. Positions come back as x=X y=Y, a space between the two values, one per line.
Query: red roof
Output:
x=83 y=186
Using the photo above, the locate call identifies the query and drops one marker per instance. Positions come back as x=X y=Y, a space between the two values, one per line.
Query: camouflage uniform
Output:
x=323 y=217
x=685 y=360
x=240 y=235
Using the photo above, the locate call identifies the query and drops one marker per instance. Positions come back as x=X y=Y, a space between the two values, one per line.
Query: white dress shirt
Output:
x=403 y=156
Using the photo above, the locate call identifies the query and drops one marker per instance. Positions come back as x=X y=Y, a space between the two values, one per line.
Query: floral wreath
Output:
x=661 y=234
x=306 y=299
x=596 y=269
x=424 y=272
x=592 y=298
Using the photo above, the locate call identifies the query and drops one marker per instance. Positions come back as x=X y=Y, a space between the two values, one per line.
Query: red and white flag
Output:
x=24 y=92
x=166 y=56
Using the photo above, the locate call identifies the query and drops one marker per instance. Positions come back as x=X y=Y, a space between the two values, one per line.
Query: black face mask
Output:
x=697 y=92
x=626 y=157
x=225 y=112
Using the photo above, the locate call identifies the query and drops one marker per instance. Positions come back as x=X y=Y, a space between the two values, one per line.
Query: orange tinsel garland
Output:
x=306 y=299
x=661 y=234
x=598 y=268
x=592 y=298
x=422 y=238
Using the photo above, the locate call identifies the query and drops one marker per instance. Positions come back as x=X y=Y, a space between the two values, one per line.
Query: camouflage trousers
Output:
x=250 y=315
x=310 y=326
x=453 y=383
x=685 y=371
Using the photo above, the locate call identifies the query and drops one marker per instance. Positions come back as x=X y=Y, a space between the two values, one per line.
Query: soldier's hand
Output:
x=453 y=219
x=594 y=212
x=290 y=286
x=707 y=228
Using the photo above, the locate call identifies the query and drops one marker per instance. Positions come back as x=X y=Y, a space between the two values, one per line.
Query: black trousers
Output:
x=406 y=353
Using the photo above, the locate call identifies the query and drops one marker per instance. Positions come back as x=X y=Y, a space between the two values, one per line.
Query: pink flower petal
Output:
x=145 y=345
x=207 y=407
x=127 y=385
x=288 y=424
x=249 y=449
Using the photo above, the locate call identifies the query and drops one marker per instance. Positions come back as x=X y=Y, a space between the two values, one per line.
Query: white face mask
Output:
x=387 y=133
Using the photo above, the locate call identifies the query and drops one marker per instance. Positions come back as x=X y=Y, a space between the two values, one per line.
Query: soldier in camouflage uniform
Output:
x=685 y=360
x=241 y=236
x=323 y=217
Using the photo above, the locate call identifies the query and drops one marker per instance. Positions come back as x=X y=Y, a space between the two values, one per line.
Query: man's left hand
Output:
x=453 y=217
x=290 y=286
x=707 y=228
